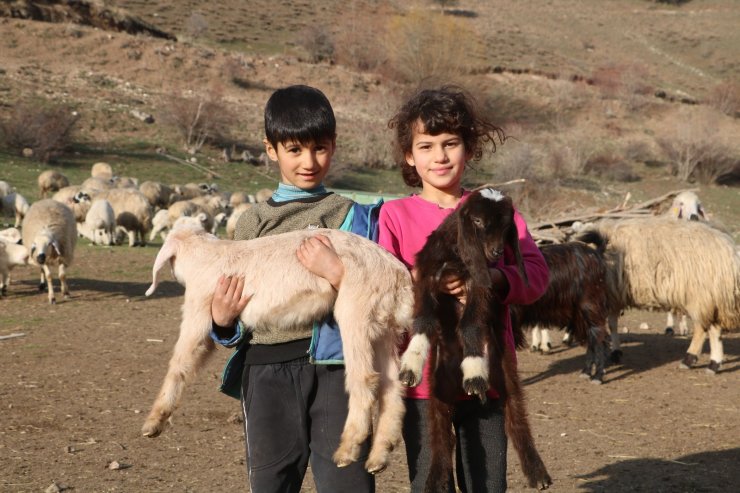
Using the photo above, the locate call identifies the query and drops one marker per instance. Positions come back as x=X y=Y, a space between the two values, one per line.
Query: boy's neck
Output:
x=286 y=191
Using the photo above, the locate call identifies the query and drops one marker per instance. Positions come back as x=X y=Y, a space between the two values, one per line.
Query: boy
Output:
x=294 y=410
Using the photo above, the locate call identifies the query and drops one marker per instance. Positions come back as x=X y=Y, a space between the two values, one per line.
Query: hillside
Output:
x=573 y=82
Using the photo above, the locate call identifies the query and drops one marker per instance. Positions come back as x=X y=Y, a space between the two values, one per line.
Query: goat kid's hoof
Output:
x=713 y=367
x=409 y=378
x=476 y=386
x=688 y=361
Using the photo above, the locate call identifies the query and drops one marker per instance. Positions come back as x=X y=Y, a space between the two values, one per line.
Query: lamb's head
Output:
x=15 y=254
x=182 y=238
x=687 y=206
x=485 y=228
x=44 y=247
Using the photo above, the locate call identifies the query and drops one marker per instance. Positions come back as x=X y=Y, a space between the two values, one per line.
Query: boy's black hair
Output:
x=300 y=114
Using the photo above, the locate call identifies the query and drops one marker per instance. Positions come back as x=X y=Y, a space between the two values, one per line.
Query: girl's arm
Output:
x=538 y=274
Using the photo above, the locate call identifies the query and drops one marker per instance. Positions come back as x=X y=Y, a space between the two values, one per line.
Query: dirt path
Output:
x=74 y=391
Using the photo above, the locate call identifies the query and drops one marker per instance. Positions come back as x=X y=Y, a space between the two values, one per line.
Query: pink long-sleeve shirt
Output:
x=404 y=226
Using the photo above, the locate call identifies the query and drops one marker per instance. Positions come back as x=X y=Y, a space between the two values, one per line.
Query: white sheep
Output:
x=699 y=276
x=125 y=182
x=11 y=254
x=66 y=195
x=16 y=203
x=51 y=181
x=50 y=234
x=372 y=307
x=158 y=194
x=133 y=213
x=234 y=218
x=102 y=170
x=100 y=223
x=94 y=186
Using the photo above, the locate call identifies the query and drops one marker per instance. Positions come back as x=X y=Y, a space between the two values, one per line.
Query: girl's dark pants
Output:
x=294 y=413
x=480 y=447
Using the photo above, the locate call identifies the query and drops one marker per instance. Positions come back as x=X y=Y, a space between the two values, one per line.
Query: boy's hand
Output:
x=228 y=300
x=317 y=254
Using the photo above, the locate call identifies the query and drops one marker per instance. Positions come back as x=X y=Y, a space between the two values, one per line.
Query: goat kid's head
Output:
x=485 y=227
x=168 y=253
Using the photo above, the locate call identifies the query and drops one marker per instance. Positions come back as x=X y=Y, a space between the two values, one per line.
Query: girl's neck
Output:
x=446 y=199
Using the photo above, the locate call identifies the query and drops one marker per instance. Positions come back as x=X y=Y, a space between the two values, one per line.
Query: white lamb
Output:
x=100 y=223
x=11 y=235
x=11 y=254
x=16 y=203
x=372 y=306
x=133 y=213
x=699 y=276
x=50 y=235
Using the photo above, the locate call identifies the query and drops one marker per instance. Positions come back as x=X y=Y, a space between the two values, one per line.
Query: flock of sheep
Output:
x=677 y=262
x=107 y=210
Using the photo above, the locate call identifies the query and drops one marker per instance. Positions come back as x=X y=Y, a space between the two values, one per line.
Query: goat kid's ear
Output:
x=471 y=250
x=512 y=239
x=166 y=253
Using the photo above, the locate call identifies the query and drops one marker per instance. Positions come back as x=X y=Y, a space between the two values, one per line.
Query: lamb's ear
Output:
x=512 y=240
x=166 y=253
x=471 y=251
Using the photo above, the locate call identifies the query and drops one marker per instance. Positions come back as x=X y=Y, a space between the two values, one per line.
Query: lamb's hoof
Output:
x=669 y=331
x=409 y=378
x=476 y=386
x=153 y=428
x=374 y=467
x=688 y=361
x=345 y=456
x=713 y=367
x=616 y=356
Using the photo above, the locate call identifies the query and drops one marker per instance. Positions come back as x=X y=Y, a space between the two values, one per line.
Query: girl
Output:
x=437 y=131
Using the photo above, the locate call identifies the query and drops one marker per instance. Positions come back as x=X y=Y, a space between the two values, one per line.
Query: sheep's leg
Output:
x=46 y=272
x=191 y=350
x=669 y=323
x=42 y=279
x=63 y=281
x=683 y=326
x=715 y=349
x=616 y=354
x=692 y=354
x=391 y=407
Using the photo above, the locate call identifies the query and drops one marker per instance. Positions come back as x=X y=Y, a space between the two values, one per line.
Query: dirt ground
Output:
x=74 y=390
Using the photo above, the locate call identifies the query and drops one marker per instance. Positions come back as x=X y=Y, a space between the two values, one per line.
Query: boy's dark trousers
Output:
x=480 y=449
x=294 y=413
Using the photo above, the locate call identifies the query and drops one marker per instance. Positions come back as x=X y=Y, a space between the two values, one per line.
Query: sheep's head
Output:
x=44 y=247
x=687 y=206
x=485 y=227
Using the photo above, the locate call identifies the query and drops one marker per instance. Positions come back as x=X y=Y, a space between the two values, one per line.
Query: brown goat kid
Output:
x=468 y=348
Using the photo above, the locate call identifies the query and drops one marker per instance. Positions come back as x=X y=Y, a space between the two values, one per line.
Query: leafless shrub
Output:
x=699 y=149
x=627 y=82
x=611 y=166
x=318 y=43
x=196 y=25
x=45 y=128
x=639 y=151
x=358 y=41
x=725 y=97
x=236 y=71
x=423 y=44
x=200 y=118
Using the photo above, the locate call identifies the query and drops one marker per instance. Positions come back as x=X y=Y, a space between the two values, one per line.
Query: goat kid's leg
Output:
x=390 y=406
x=715 y=349
x=695 y=347
x=412 y=361
x=191 y=350
x=616 y=352
x=474 y=365
x=361 y=382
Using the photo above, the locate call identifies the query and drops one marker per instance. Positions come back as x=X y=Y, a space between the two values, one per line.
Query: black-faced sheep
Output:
x=51 y=181
x=372 y=306
x=699 y=276
x=576 y=298
x=50 y=234
x=467 y=346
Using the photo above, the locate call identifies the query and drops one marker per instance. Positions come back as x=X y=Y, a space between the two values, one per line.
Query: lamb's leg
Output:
x=46 y=273
x=63 y=281
x=692 y=354
x=191 y=350
x=391 y=407
x=361 y=381
x=715 y=349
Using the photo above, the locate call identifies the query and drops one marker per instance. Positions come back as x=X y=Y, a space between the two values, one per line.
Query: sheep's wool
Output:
x=491 y=194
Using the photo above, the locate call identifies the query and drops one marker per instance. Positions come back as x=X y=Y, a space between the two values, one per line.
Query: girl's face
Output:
x=439 y=160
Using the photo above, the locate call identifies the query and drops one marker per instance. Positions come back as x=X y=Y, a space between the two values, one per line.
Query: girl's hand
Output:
x=317 y=254
x=453 y=285
x=228 y=300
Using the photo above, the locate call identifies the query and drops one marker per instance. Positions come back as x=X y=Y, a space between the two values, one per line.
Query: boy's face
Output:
x=303 y=166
